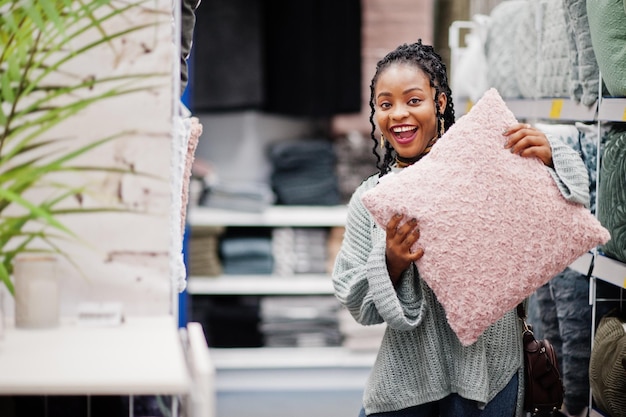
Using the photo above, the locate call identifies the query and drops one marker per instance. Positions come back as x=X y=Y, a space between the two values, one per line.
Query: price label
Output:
x=557 y=107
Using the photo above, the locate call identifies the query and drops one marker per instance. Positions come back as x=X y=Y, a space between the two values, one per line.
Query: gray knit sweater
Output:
x=420 y=359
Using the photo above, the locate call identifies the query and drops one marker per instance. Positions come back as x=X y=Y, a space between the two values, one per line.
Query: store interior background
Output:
x=271 y=82
x=316 y=95
x=236 y=135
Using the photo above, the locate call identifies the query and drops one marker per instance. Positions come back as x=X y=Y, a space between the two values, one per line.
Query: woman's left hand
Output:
x=527 y=141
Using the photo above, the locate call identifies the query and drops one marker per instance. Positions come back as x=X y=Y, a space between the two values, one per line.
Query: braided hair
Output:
x=425 y=58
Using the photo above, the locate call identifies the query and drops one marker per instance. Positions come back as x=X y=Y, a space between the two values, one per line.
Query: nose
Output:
x=398 y=113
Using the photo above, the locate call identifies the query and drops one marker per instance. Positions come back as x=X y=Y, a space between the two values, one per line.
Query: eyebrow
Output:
x=408 y=90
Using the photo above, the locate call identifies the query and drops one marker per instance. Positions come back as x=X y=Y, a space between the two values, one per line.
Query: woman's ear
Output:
x=443 y=102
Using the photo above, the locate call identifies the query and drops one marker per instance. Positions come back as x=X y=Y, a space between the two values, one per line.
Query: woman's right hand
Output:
x=400 y=239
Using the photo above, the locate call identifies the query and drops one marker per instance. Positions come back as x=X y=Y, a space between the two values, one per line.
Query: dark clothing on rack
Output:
x=313 y=54
x=304 y=172
x=228 y=62
x=295 y=58
x=187 y=23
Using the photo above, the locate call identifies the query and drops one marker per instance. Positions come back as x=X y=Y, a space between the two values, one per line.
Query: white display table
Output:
x=142 y=356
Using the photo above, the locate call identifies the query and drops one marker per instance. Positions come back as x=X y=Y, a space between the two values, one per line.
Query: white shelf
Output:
x=274 y=216
x=309 y=284
x=144 y=355
x=610 y=270
x=288 y=357
x=546 y=108
x=552 y=109
x=581 y=265
x=612 y=109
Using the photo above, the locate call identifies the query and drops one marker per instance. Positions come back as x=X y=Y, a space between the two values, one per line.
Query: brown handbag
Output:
x=543 y=387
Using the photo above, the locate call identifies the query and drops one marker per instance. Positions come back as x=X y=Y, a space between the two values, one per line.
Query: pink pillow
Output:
x=494 y=226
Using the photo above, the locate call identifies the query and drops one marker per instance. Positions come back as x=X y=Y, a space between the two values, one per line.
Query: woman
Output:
x=422 y=369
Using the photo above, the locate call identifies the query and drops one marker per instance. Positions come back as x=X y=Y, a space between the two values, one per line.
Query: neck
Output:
x=402 y=161
x=405 y=162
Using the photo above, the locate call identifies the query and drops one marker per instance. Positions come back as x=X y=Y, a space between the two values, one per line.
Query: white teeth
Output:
x=402 y=129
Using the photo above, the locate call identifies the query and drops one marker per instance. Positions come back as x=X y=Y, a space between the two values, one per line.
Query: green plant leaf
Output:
x=35 y=210
x=7 y=90
x=52 y=14
x=5 y=278
x=38 y=41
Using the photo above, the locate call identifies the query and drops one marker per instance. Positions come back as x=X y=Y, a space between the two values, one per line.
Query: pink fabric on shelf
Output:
x=494 y=226
x=192 y=144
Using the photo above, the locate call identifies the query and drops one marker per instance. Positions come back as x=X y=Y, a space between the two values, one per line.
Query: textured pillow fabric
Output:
x=494 y=226
x=585 y=72
x=589 y=150
x=612 y=193
x=607 y=366
x=525 y=58
x=607 y=23
x=554 y=62
x=500 y=48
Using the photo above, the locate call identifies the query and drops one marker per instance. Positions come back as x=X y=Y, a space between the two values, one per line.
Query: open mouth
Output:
x=404 y=134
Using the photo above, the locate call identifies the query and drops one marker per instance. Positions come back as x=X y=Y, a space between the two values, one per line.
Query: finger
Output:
x=540 y=152
x=418 y=254
x=392 y=225
x=516 y=133
x=527 y=142
x=406 y=228
x=516 y=128
x=412 y=237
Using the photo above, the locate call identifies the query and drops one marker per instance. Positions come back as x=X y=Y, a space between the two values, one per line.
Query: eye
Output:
x=384 y=105
x=415 y=100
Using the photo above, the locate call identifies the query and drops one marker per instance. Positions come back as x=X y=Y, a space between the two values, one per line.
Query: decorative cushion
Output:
x=585 y=72
x=607 y=20
x=494 y=226
x=500 y=48
x=554 y=62
x=589 y=150
x=612 y=192
x=526 y=56
x=607 y=366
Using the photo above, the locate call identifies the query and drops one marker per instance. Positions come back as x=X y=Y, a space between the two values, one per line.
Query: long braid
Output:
x=429 y=61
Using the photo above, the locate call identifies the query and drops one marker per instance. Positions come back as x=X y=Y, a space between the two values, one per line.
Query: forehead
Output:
x=402 y=74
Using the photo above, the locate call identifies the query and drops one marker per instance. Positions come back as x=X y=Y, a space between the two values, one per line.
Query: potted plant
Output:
x=40 y=89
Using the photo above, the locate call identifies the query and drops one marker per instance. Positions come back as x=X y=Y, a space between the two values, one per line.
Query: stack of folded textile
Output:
x=299 y=250
x=300 y=321
x=247 y=255
x=203 y=252
x=250 y=197
x=304 y=172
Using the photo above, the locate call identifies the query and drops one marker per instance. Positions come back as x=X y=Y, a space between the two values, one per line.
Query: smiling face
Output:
x=405 y=110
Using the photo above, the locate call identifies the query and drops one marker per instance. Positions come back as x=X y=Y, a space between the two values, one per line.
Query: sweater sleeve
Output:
x=360 y=277
x=569 y=172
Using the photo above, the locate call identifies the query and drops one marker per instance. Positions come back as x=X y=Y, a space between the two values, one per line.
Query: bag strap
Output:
x=521 y=313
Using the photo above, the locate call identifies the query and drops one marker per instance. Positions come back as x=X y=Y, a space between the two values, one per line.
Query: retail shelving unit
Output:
x=273 y=216
x=283 y=380
x=604 y=110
